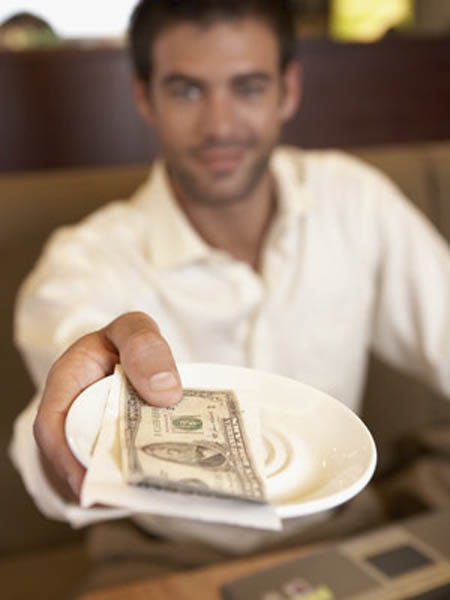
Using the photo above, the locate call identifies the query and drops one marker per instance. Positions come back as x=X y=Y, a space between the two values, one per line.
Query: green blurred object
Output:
x=25 y=31
x=368 y=20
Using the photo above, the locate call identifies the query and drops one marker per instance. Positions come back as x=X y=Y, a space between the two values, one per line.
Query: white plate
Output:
x=318 y=452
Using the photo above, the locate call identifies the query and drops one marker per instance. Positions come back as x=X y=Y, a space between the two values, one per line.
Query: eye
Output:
x=251 y=88
x=186 y=91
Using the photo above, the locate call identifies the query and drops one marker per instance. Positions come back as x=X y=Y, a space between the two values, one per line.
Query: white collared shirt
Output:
x=347 y=266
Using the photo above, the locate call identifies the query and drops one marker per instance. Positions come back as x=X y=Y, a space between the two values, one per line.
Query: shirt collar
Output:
x=172 y=240
x=288 y=166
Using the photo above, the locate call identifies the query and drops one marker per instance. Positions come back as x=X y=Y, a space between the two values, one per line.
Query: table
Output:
x=198 y=584
x=406 y=559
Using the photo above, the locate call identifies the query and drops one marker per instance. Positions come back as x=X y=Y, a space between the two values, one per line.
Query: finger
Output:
x=84 y=363
x=146 y=358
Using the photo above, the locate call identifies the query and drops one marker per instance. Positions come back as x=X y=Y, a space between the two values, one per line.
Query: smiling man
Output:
x=234 y=251
x=217 y=99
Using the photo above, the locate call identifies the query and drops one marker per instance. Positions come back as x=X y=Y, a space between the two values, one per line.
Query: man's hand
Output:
x=133 y=340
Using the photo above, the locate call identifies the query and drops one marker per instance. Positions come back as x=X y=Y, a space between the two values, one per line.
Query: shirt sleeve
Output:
x=25 y=457
x=411 y=324
x=75 y=288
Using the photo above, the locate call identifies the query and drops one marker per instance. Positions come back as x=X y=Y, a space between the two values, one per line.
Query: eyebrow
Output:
x=254 y=76
x=182 y=78
x=174 y=78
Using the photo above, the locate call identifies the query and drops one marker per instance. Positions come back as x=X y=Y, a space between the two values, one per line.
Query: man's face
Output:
x=217 y=99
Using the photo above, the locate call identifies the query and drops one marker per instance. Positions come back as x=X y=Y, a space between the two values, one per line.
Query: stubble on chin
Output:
x=218 y=190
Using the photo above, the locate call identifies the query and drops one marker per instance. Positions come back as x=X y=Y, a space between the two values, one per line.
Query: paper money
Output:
x=199 y=446
x=165 y=511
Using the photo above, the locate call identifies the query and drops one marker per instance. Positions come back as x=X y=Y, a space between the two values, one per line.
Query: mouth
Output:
x=221 y=160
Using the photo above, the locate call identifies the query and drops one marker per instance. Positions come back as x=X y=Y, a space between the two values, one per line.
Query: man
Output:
x=241 y=253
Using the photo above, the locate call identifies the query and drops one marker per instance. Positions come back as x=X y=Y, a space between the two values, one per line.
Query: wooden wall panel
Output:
x=397 y=90
x=70 y=107
x=67 y=108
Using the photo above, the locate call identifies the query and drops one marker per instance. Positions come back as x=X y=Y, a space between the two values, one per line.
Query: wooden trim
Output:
x=74 y=107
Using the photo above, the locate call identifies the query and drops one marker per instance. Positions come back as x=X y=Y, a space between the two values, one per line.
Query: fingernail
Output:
x=162 y=382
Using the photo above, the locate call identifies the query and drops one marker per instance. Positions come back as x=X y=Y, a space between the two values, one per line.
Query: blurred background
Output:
x=376 y=83
x=58 y=59
x=339 y=19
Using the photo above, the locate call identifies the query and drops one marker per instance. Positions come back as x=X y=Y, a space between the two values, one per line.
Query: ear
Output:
x=292 y=90
x=142 y=100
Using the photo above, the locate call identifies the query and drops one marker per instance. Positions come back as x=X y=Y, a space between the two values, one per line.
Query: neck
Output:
x=238 y=228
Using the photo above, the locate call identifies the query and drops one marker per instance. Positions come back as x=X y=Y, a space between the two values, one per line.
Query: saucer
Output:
x=317 y=452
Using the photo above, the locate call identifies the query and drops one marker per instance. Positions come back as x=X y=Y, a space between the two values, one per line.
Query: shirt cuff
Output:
x=24 y=454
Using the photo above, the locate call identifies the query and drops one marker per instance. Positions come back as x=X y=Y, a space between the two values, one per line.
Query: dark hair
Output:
x=151 y=17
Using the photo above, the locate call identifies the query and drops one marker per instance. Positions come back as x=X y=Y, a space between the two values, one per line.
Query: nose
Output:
x=219 y=116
